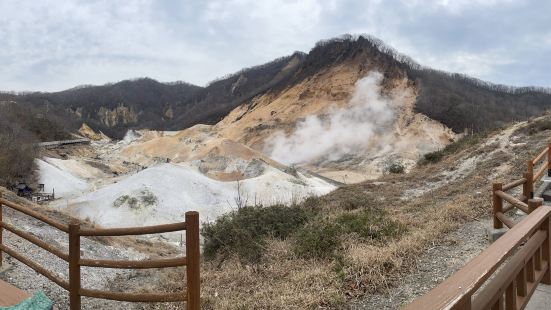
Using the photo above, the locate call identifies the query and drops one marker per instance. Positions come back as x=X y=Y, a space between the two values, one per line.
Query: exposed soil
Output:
x=438 y=262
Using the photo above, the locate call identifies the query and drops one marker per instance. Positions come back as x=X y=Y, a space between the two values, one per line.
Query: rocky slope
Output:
x=154 y=177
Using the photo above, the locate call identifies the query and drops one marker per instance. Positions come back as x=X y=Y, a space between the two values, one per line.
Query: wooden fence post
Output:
x=530 y=179
x=497 y=204
x=549 y=160
x=1 y=240
x=193 y=261
x=534 y=203
x=74 y=266
x=526 y=187
x=546 y=251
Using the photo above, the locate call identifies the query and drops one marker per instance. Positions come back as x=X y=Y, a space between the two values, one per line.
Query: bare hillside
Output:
x=429 y=204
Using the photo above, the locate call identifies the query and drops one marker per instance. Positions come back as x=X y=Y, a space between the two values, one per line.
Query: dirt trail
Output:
x=434 y=266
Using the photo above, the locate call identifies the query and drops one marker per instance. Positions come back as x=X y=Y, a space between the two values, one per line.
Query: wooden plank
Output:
x=514 y=201
x=495 y=287
x=477 y=271
x=540 y=155
x=505 y=220
x=513 y=184
x=540 y=173
x=126 y=264
x=193 y=253
x=134 y=231
x=11 y=295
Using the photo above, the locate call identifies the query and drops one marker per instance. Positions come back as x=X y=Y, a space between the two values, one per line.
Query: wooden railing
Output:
x=507 y=273
x=75 y=261
x=482 y=284
x=544 y=161
x=500 y=195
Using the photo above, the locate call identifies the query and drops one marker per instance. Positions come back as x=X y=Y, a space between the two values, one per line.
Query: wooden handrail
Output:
x=57 y=280
x=512 y=200
x=36 y=215
x=456 y=292
x=513 y=184
x=540 y=156
x=540 y=173
x=133 y=231
x=35 y=240
x=135 y=297
x=527 y=181
x=505 y=220
x=159 y=263
x=490 y=294
x=191 y=261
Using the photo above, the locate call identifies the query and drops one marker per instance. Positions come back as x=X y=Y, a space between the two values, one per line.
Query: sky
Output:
x=52 y=45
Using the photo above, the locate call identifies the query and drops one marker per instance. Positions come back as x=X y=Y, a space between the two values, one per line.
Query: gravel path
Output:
x=435 y=265
x=27 y=279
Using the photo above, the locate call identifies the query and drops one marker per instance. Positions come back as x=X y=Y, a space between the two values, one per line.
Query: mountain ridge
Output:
x=456 y=100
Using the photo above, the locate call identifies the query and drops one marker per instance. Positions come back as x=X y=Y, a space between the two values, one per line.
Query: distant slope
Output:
x=146 y=103
x=462 y=103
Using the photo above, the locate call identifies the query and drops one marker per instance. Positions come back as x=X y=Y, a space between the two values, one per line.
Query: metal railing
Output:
x=191 y=261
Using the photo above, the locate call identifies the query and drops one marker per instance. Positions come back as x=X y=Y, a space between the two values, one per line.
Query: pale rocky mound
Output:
x=89 y=133
x=153 y=177
x=218 y=158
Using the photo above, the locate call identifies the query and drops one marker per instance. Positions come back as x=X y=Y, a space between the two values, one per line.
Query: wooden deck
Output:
x=10 y=295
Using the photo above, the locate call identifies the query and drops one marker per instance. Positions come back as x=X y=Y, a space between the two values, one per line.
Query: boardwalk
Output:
x=10 y=295
x=64 y=142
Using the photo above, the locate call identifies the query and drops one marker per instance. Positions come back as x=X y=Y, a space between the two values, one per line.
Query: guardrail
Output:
x=489 y=281
x=63 y=142
x=545 y=166
x=506 y=274
x=191 y=261
x=500 y=195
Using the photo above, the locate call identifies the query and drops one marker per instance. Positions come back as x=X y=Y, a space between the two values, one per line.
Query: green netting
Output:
x=38 y=302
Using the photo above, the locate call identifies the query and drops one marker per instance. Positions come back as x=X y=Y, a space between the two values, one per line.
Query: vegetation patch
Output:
x=393 y=166
x=452 y=148
x=320 y=239
x=145 y=199
x=316 y=240
x=244 y=232
x=535 y=126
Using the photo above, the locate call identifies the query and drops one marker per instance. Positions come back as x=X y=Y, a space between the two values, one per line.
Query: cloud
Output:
x=52 y=45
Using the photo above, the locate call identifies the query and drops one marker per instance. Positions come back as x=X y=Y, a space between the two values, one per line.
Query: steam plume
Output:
x=347 y=130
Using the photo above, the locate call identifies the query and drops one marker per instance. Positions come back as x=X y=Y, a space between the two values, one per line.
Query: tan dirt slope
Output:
x=254 y=123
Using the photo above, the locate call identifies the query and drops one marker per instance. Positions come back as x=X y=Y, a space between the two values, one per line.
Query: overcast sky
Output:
x=54 y=45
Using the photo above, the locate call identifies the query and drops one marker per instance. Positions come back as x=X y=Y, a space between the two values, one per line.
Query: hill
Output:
x=457 y=101
x=361 y=241
x=146 y=103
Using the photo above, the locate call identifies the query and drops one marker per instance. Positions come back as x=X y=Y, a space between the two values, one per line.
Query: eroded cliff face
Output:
x=121 y=115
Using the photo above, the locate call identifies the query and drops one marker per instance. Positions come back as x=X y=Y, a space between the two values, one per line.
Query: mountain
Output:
x=146 y=103
x=457 y=101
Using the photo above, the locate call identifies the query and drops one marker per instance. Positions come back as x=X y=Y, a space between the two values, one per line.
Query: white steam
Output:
x=348 y=130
